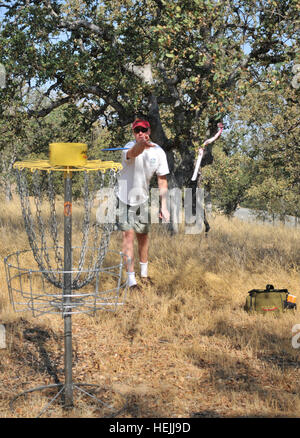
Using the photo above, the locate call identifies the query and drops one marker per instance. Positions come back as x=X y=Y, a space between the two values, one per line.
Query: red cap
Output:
x=140 y=122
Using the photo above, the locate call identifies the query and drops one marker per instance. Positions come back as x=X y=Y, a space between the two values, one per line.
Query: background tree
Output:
x=228 y=179
x=277 y=150
x=257 y=161
x=182 y=64
x=272 y=118
x=24 y=137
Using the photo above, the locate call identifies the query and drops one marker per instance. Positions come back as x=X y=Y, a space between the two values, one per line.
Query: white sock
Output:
x=131 y=279
x=144 y=269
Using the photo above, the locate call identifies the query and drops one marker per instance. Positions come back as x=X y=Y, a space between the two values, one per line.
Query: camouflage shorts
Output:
x=135 y=218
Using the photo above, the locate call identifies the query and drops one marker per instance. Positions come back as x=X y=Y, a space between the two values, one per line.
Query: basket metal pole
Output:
x=41 y=302
x=67 y=288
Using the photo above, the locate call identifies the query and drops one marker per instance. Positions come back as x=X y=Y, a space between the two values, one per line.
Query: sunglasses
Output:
x=140 y=129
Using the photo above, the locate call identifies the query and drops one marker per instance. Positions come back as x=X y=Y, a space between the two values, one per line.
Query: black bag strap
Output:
x=269 y=288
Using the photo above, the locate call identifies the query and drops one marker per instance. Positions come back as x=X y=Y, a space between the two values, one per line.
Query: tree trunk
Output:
x=181 y=164
x=186 y=197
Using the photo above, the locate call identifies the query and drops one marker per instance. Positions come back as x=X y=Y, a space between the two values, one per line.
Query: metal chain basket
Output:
x=42 y=231
x=58 y=276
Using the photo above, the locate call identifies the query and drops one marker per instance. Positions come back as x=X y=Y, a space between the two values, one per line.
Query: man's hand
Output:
x=163 y=190
x=164 y=214
x=144 y=141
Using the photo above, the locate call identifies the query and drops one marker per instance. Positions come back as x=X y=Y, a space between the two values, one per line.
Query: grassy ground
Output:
x=184 y=347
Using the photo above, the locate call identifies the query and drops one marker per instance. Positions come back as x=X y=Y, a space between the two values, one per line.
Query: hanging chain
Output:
x=53 y=221
x=99 y=234
x=38 y=195
x=40 y=253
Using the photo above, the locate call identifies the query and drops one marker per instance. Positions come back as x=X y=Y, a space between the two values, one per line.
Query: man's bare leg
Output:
x=128 y=248
x=143 y=246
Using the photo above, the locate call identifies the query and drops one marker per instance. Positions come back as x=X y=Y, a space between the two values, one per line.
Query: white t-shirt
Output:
x=134 y=178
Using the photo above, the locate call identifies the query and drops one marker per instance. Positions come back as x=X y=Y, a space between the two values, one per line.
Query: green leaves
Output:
x=229 y=178
x=204 y=56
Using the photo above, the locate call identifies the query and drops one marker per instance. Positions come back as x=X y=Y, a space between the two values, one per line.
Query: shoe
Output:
x=135 y=287
x=147 y=281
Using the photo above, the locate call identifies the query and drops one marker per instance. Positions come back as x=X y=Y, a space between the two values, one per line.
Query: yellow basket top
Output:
x=90 y=165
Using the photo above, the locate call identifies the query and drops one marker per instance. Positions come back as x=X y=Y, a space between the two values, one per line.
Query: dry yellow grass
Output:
x=184 y=347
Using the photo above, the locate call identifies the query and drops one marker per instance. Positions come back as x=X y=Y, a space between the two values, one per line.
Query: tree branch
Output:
x=157 y=131
x=45 y=111
x=76 y=24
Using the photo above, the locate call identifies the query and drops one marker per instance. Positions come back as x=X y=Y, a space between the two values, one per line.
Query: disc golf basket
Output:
x=55 y=277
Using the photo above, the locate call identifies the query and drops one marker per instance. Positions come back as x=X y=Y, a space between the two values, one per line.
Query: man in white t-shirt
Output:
x=140 y=161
